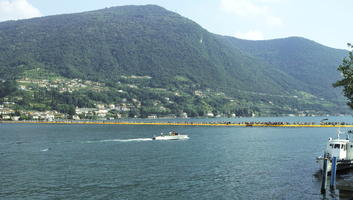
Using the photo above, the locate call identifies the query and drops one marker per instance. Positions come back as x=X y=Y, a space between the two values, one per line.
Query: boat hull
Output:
x=341 y=164
x=171 y=137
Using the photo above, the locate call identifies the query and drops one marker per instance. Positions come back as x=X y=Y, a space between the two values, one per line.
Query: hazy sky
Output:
x=328 y=22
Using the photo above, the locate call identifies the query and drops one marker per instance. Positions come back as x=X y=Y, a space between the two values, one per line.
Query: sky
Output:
x=328 y=22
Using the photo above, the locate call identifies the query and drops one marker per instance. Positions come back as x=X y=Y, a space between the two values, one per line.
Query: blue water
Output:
x=42 y=161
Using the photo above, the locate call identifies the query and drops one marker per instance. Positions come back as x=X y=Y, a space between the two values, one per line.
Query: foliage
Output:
x=297 y=63
x=167 y=54
x=346 y=69
x=7 y=87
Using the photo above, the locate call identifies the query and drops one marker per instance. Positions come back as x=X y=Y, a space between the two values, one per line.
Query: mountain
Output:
x=137 y=40
x=277 y=76
x=307 y=62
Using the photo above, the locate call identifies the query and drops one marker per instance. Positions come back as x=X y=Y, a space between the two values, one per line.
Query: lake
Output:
x=54 y=161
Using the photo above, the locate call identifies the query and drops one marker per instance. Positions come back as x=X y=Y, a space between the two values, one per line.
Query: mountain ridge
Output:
x=106 y=44
x=303 y=71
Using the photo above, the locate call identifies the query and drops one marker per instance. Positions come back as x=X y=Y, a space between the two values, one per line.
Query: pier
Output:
x=219 y=124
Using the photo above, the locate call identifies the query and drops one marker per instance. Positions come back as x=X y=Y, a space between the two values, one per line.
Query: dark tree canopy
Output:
x=346 y=69
x=7 y=87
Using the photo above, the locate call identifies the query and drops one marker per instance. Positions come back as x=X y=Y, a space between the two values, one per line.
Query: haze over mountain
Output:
x=283 y=75
x=311 y=64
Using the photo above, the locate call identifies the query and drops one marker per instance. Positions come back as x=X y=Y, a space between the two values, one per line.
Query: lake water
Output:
x=43 y=161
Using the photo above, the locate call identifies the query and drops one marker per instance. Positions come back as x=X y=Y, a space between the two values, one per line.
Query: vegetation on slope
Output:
x=346 y=69
x=106 y=45
x=310 y=66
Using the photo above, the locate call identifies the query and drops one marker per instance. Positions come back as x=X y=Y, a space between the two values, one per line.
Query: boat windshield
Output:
x=173 y=133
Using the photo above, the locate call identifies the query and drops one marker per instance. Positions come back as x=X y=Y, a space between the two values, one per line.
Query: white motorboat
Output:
x=340 y=148
x=171 y=136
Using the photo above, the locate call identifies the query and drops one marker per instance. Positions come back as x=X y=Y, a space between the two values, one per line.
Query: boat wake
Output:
x=47 y=149
x=121 y=140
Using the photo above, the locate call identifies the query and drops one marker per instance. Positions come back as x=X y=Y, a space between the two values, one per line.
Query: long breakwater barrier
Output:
x=223 y=124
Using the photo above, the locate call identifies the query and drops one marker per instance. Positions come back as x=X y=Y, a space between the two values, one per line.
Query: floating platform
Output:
x=230 y=124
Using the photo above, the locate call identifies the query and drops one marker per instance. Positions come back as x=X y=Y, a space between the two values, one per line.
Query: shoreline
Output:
x=223 y=124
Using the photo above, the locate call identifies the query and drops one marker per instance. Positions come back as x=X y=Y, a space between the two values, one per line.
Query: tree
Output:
x=346 y=69
x=7 y=87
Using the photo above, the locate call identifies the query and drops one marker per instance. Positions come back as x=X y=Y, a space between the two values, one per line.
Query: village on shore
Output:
x=99 y=112
x=43 y=95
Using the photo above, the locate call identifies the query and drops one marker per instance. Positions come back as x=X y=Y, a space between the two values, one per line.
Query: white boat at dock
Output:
x=171 y=136
x=340 y=148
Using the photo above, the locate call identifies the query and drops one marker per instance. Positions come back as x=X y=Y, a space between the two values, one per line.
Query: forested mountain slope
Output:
x=285 y=76
x=310 y=63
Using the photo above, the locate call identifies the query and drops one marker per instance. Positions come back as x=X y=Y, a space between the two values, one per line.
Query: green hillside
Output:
x=137 y=40
x=286 y=76
x=310 y=63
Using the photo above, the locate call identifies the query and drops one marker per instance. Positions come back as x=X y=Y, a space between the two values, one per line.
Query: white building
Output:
x=209 y=114
x=101 y=113
x=152 y=117
x=85 y=111
x=184 y=115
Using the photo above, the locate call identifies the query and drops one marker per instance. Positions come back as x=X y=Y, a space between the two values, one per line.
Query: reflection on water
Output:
x=344 y=185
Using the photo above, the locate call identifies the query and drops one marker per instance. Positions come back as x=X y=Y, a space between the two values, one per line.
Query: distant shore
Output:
x=223 y=123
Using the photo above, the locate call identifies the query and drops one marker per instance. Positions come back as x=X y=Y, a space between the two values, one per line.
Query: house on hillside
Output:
x=101 y=113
